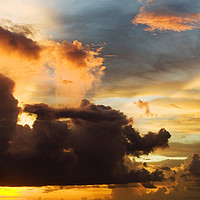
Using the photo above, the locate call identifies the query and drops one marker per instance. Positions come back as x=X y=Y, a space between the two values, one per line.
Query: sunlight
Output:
x=156 y=158
x=9 y=192
x=25 y=118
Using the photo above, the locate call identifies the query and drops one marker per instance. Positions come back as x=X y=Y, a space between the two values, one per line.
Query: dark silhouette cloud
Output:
x=69 y=146
x=138 y=145
x=8 y=113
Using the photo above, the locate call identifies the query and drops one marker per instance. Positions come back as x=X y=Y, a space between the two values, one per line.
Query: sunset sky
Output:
x=100 y=100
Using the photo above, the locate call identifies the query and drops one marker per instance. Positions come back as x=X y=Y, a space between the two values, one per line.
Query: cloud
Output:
x=181 y=149
x=21 y=29
x=17 y=43
x=148 y=185
x=187 y=175
x=87 y=111
x=194 y=167
x=162 y=192
x=32 y=12
x=162 y=62
x=183 y=185
x=67 y=146
x=157 y=16
x=66 y=70
x=8 y=114
x=175 y=106
x=144 y=104
x=166 y=168
x=138 y=145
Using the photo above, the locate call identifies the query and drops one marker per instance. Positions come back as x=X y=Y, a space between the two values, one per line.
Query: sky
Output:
x=99 y=100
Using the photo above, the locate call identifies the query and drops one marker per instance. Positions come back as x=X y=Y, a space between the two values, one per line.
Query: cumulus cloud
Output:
x=66 y=70
x=184 y=184
x=161 y=193
x=67 y=146
x=157 y=16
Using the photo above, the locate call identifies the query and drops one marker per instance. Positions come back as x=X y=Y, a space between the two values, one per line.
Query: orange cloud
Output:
x=167 y=20
x=46 y=69
x=144 y=104
x=76 y=63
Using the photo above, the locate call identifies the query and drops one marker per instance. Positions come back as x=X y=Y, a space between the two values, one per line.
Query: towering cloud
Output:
x=66 y=70
x=84 y=145
x=76 y=68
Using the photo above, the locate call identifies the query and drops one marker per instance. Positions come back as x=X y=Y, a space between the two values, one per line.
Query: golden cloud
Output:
x=167 y=20
x=43 y=69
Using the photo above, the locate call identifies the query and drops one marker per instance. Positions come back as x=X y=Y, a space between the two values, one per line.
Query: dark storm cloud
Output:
x=18 y=43
x=87 y=111
x=86 y=147
x=144 y=145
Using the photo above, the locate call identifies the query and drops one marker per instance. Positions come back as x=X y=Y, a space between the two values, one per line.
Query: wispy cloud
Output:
x=160 y=17
x=144 y=104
